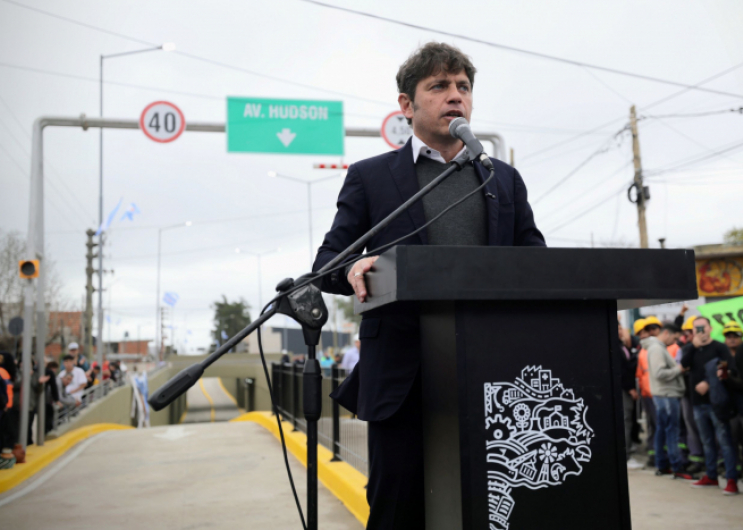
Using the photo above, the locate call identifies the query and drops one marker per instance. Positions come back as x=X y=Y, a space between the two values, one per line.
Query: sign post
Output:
x=284 y=126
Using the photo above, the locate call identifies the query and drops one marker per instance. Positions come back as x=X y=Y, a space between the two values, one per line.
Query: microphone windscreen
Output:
x=455 y=124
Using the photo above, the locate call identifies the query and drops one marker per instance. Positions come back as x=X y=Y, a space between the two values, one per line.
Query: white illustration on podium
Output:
x=537 y=437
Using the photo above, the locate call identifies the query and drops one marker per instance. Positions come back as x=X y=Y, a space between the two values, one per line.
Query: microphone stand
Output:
x=300 y=299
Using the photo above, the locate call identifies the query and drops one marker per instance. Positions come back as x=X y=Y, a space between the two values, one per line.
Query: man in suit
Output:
x=435 y=86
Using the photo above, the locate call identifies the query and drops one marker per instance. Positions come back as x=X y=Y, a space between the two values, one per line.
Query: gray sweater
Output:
x=666 y=377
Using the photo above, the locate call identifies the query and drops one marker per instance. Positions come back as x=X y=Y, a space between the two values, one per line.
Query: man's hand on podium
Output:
x=356 y=276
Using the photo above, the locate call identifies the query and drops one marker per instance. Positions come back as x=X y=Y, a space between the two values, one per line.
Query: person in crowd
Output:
x=679 y=320
x=326 y=362
x=646 y=396
x=351 y=357
x=733 y=336
x=33 y=397
x=667 y=386
x=80 y=360
x=66 y=399
x=51 y=394
x=11 y=418
x=115 y=368
x=79 y=379
x=712 y=419
x=628 y=363
x=687 y=332
x=285 y=358
x=7 y=458
x=675 y=331
x=733 y=380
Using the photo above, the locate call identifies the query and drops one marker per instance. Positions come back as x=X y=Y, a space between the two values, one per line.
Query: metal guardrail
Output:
x=338 y=429
x=67 y=413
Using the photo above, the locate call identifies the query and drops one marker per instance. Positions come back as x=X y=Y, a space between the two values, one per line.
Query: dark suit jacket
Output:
x=390 y=343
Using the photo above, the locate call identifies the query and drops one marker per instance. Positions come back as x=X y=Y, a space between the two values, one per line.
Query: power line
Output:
x=679 y=164
x=523 y=51
x=599 y=184
x=645 y=107
x=589 y=210
x=603 y=149
x=738 y=110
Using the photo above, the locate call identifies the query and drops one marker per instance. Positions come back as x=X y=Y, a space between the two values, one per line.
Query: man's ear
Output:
x=406 y=105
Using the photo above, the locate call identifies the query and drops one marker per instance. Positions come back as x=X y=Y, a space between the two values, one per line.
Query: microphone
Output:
x=460 y=129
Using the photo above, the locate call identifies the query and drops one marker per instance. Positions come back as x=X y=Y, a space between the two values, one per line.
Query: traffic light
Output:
x=28 y=268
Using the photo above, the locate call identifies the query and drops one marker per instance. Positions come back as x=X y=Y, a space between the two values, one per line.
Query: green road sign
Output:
x=285 y=126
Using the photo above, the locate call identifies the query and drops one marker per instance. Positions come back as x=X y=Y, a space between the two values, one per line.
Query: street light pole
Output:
x=169 y=46
x=158 y=347
x=309 y=184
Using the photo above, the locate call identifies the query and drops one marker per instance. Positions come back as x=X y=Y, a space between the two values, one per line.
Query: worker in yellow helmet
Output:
x=733 y=336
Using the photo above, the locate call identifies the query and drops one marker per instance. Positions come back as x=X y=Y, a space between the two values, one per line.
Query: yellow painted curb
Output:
x=37 y=458
x=343 y=481
x=208 y=398
x=221 y=385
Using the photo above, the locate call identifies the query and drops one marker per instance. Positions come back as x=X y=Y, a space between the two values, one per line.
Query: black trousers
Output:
x=395 y=489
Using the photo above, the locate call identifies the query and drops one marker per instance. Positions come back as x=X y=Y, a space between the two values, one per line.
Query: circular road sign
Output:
x=395 y=130
x=15 y=326
x=162 y=121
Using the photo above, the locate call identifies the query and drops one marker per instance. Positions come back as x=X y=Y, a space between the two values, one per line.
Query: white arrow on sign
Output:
x=286 y=136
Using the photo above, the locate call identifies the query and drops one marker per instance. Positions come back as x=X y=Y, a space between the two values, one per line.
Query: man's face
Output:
x=69 y=364
x=667 y=337
x=733 y=340
x=643 y=334
x=653 y=330
x=74 y=353
x=702 y=330
x=438 y=100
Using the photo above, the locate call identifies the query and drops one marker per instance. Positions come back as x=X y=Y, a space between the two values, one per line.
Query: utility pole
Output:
x=89 y=271
x=642 y=193
x=161 y=346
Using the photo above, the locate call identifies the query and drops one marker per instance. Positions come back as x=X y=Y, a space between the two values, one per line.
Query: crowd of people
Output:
x=64 y=392
x=345 y=360
x=689 y=390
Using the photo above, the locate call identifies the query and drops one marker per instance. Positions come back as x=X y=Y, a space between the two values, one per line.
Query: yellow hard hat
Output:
x=639 y=325
x=651 y=320
x=689 y=324
x=732 y=327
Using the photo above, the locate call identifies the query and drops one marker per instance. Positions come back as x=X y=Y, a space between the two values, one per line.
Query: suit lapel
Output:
x=406 y=179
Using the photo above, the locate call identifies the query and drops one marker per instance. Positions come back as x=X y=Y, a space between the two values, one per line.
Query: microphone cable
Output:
x=370 y=253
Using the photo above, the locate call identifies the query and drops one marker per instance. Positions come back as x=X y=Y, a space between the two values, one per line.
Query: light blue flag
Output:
x=130 y=212
x=171 y=299
x=110 y=219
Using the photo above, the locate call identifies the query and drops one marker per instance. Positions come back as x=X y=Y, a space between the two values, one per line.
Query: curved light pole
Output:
x=168 y=46
x=157 y=301
x=309 y=183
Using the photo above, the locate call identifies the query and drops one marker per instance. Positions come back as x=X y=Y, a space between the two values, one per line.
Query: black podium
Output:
x=522 y=410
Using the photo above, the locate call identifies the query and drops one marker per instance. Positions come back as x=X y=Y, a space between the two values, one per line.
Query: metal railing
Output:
x=338 y=429
x=66 y=413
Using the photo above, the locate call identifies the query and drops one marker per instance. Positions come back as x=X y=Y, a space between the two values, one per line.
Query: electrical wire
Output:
x=278 y=421
x=521 y=50
x=737 y=110
x=644 y=107
x=603 y=149
x=588 y=210
x=693 y=161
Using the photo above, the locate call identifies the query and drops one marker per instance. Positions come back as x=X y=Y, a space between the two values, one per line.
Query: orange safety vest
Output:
x=673 y=349
x=9 y=384
x=643 y=374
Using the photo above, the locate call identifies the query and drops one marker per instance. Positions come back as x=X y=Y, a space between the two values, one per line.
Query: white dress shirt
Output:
x=420 y=148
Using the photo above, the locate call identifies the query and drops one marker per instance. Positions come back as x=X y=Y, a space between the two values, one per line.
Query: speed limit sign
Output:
x=395 y=130
x=162 y=121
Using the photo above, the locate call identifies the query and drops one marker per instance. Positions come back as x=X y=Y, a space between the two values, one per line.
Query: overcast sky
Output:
x=292 y=49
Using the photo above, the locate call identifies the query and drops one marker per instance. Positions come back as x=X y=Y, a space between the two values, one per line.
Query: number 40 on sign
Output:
x=162 y=122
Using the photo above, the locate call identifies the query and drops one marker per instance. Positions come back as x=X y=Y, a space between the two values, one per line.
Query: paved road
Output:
x=208 y=402
x=213 y=475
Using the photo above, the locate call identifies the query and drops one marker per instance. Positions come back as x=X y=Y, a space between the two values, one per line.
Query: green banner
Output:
x=285 y=126
x=720 y=313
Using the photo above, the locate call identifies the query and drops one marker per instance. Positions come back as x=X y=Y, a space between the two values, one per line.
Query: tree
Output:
x=229 y=317
x=734 y=236
x=12 y=250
